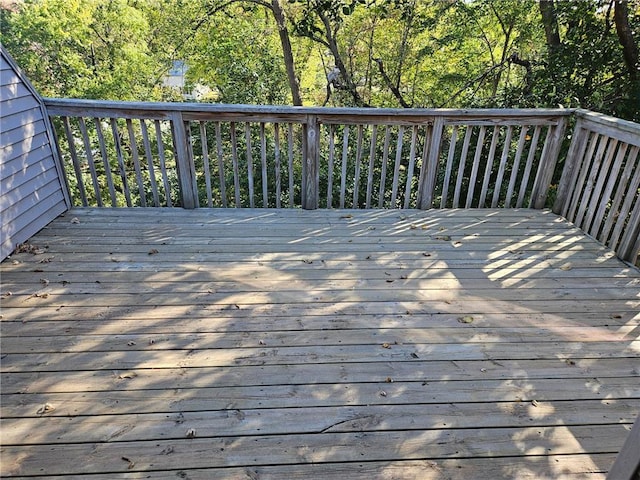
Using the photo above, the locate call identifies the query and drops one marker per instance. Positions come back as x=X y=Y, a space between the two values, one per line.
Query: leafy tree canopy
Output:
x=392 y=53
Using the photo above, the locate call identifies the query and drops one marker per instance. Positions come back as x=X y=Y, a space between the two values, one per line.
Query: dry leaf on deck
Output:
x=75 y=220
x=153 y=251
x=46 y=408
x=465 y=319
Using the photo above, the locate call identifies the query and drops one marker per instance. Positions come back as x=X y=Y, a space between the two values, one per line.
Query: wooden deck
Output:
x=252 y=344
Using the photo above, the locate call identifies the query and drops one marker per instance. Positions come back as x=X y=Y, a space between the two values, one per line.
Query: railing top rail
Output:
x=618 y=124
x=60 y=105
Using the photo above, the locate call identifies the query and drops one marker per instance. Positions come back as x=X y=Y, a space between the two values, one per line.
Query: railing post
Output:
x=548 y=162
x=425 y=200
x=573 y=159
x=184 y=162
x=311 y=166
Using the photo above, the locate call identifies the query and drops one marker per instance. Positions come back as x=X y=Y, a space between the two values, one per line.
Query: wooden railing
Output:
x=600 y=186
x=203 y=155
x=192 y=155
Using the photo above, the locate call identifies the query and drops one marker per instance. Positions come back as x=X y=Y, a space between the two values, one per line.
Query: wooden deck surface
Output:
x=253 y=344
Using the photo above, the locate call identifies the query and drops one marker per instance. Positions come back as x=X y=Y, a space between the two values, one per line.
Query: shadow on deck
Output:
x=317 y=344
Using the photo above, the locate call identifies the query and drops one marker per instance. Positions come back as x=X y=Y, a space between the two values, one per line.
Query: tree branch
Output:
x=625 y=36
x=396 y=92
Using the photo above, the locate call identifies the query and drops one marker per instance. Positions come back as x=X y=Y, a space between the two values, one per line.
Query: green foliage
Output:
x=82 y=48
x=240 y=60
x=388 y=53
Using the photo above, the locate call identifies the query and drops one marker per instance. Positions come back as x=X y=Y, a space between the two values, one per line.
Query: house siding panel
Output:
x=31 y=192
x=19 y=134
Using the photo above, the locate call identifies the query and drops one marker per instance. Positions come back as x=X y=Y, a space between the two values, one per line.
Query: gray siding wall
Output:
x=31 y=191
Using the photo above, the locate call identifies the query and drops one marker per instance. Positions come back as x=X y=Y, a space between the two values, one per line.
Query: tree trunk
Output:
x=625 y=36
x=550 y=24
x=287 y=51
x=346 y=77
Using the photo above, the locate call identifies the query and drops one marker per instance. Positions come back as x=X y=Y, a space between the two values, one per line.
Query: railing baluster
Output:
x=548 y=161
x=90 y=161
x=449 y=166
x=121 y=165
x=136 y=163
x=625 y=211
x=105 y=162
x=593 y=172
x=396 y=167
x=606 y=200
x=571 y=169
x=332 y=145
x=372 y=157
x=528 y=166
x=515 y=167
x=383 y=170
x=621 y=189
x=503 y=163
x=489 y=167
x=249 y=157
x=584 y=169
x=412 y=162
x=263 y=158
x=345 y=152
x=600 y=179
x=311 y=160
x=476 y=165
x=163 y=163
x=236 y=169
x=290 y=164
x=148 y=154
x=221 y=172
x=276 y=139
x=205 y=162
x=461 y=166
x=356 y=176
x=75 y=160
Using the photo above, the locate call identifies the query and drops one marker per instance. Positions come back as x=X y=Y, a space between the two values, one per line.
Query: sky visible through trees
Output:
x=368 y=53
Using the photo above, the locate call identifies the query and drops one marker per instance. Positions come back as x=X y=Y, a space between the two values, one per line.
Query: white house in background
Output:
x=175 y=78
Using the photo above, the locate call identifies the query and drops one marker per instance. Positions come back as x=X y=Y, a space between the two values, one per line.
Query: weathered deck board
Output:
x=316 y=344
